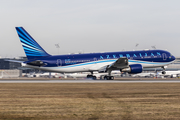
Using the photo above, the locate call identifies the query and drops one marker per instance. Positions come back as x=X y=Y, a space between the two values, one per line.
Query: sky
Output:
x=91 y=25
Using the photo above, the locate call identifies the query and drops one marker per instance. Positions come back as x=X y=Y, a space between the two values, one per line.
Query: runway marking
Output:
x=90 y=81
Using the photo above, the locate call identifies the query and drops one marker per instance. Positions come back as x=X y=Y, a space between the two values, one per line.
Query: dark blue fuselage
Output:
x=145 y=55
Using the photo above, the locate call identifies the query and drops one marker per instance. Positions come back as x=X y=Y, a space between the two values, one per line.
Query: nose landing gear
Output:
x=164 y=68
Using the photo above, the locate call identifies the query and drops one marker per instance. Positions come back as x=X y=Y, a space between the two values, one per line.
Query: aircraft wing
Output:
x=118 y=64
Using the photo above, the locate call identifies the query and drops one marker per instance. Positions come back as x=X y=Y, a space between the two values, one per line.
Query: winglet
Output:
x=31 y=48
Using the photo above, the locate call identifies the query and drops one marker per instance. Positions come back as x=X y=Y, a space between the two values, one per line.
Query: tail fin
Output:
x=32 y=49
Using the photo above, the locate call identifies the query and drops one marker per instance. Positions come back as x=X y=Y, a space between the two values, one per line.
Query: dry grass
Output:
x=90 y=101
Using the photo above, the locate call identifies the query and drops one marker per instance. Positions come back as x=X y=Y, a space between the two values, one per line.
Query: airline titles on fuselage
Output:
x=116 y=56
x=135 y=55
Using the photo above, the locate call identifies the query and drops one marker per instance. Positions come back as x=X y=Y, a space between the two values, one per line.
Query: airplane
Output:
x=144 y=75
x=169 y=73
x=125 y=61
x=46 y=74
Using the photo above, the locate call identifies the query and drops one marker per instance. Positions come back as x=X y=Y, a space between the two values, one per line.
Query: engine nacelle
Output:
x=135 y=68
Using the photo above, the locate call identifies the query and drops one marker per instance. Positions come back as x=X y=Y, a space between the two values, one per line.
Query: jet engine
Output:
x=135 y=68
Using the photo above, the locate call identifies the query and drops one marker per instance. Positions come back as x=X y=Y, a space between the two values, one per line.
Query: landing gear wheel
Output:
x=112 y=77
x=91 y=77
x=94 y=77
x=108 y=77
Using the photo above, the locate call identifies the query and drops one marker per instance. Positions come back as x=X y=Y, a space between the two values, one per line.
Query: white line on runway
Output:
x=89 y=81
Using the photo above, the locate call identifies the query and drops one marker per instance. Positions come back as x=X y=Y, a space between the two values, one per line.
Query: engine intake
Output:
x=135 y=68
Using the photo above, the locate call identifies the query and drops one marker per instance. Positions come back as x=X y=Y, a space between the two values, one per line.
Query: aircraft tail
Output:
x=31 y=48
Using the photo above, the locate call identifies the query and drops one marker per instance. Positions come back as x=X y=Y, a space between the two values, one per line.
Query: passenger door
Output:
x=59 y=62
x=164 y=56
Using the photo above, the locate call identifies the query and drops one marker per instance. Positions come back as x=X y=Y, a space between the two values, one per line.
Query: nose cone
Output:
x=173 y=58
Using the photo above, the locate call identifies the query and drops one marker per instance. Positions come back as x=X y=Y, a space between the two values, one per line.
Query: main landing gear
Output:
x=106 y=77
x=109 y=77
x=91 y=77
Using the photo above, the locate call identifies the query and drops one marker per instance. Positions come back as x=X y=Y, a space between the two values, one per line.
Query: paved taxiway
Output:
x=90 y=81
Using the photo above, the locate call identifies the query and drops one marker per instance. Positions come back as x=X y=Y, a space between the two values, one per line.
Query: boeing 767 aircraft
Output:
x=125 y=61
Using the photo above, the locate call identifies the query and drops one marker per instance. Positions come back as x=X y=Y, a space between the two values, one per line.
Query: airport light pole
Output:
x=154 y=47
x=136 y=45
x=57 y=46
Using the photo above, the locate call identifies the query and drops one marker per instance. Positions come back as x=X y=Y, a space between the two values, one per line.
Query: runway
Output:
x=90 y=81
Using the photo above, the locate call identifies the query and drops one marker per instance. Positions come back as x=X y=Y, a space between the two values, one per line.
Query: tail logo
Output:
x=31 y=48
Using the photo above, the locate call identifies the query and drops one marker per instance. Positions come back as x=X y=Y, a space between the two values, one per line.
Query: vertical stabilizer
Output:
x=31 y=48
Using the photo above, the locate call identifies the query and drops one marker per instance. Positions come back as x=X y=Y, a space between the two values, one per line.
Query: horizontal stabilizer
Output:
x=36 y=63
x=15 y=61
